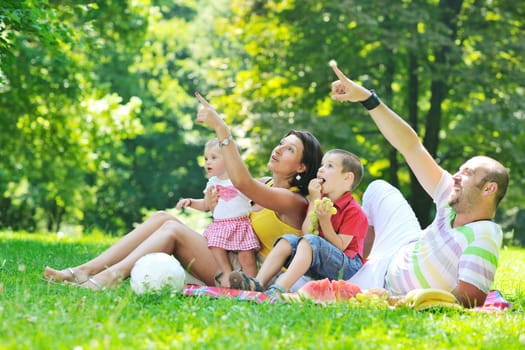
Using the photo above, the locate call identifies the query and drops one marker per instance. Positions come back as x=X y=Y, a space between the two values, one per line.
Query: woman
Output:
x=280 y=207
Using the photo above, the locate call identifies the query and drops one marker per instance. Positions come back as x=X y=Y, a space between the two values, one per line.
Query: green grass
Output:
x=38 y=315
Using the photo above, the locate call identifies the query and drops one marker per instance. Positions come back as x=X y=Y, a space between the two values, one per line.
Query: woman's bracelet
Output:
x=226 y=141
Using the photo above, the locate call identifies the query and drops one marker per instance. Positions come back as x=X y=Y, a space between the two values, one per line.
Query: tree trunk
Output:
x=450 y=9
x=419 y=199
x=392 y=155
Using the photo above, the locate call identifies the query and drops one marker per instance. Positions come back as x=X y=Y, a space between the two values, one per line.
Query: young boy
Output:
x=336 y=253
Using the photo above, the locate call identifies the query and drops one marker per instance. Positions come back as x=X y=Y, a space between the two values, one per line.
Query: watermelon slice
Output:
x=329 y=291
x=345 y=290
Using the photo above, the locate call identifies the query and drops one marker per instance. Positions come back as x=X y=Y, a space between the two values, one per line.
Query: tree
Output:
x=97 y=103
x=53 y=114
x=419 y=56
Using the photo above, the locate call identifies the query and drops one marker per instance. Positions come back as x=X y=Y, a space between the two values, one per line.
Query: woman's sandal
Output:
x=97 y=285
x=75 y=277
x=240 y=280
x=72 y=280
x=93 y=282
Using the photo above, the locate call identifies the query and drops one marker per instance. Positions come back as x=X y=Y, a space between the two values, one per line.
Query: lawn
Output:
x=37 y=315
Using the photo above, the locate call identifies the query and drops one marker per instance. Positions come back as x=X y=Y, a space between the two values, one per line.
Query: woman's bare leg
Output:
x=113 y=254
x=173 y=237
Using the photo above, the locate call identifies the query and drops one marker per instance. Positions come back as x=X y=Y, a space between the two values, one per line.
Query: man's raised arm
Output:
x=394 y=129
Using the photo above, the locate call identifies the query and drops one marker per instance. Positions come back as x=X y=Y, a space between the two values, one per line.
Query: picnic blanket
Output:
x=494 y=302
x=219 y=292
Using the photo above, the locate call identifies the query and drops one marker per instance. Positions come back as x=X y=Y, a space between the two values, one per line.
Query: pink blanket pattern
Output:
x=218 y=292
x=494 y=302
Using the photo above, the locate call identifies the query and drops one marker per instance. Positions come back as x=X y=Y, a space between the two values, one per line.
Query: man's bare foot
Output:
x=66 y=275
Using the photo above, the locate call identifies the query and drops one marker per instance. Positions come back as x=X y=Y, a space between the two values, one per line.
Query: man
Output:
x=459 y=251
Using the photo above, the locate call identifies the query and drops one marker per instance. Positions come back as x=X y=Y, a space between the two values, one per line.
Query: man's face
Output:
x=468 y=185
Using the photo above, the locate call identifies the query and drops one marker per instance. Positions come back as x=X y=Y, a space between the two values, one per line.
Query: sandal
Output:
x=93 y=282
x=75 y=277
x=240 y=280
x=275 y=291
x=72 y=278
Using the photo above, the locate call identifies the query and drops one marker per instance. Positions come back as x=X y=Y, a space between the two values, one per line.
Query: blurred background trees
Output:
x=97 y=106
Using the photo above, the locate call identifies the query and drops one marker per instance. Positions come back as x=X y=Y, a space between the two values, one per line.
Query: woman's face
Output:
x=286 y=157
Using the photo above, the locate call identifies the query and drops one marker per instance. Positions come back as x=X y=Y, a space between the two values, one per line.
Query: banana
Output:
x=433 y=303
x=325 y=203
x=434 y=294
x=420 y=299
x=408 y=299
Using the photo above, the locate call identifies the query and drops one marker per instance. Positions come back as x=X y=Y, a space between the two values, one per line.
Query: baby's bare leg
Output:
x=248 y=262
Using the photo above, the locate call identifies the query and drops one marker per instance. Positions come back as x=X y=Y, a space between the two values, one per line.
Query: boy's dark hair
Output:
x=497 y=173
x=351 y=163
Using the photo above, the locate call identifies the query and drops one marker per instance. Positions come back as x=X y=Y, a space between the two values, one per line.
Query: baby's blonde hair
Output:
x=215 y=142
x=211 y=143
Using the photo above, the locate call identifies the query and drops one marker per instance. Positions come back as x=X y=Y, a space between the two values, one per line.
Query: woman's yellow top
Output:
x=268 y=227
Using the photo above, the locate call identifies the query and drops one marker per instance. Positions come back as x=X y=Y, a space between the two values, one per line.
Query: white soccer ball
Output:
x=156 y=271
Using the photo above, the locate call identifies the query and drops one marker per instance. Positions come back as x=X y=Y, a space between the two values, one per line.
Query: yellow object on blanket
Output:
x=421 y=299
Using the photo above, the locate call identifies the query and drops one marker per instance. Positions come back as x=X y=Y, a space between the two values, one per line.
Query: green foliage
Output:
x=61 y=116
x=91 y=136
x=38 y=315
x=427 y=60
x=97 y=106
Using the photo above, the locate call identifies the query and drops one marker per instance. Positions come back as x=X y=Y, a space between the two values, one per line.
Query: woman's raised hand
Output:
x=207 y=114
x=346 y=89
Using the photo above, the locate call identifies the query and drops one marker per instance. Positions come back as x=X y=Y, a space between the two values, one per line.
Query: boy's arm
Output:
x=354 y=225
x=341 y=241
x=314 y=192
